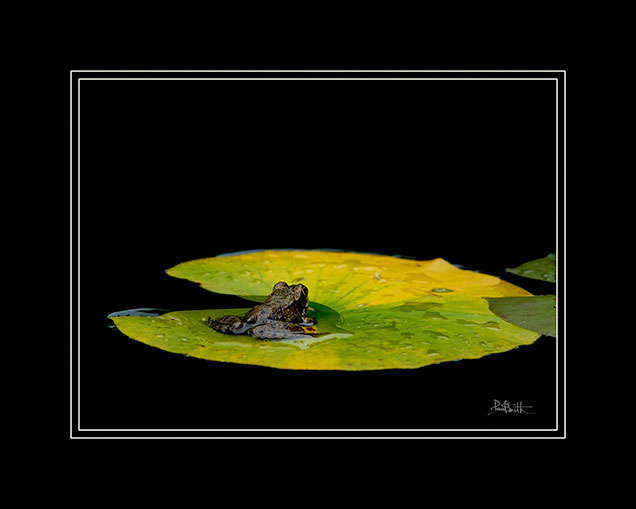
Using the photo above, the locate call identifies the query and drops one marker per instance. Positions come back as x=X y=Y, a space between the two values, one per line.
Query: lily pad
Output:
x=373 y=312
x=341 y=280
x=536 y=313
x=543 y=269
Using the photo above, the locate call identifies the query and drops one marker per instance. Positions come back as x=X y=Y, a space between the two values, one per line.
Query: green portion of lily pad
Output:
x=536 y=313
x=409 y=335
x=186 y=332
x=543 y=269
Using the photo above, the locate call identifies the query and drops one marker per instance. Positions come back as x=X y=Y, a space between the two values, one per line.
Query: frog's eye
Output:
x=300 y=290
x=280 y=285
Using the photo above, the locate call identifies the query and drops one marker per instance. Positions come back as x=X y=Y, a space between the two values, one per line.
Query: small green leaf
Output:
x=536 y=313
x=543 y=269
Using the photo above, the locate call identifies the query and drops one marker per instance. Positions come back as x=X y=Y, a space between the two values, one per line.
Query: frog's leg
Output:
x=228 y=325
x=275 y=329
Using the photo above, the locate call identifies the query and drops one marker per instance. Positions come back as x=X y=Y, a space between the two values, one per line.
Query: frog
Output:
x=281 y=316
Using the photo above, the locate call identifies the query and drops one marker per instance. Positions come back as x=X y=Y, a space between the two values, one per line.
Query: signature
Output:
x=509 y=408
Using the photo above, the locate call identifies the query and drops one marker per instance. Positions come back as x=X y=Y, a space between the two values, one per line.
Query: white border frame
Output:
x=72 y=217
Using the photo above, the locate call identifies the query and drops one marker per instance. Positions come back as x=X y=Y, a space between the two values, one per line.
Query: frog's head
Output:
x=301 y=296
x=299 y=293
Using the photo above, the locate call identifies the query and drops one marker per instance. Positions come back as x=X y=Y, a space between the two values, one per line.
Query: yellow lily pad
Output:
x=373 y=312
x=342 y=280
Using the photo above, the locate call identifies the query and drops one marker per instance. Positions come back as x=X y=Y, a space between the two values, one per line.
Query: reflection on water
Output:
x=140 y=312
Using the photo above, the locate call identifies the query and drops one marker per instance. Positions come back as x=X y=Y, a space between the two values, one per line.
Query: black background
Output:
x=176 y=170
